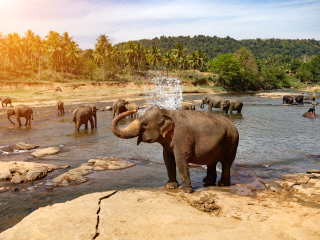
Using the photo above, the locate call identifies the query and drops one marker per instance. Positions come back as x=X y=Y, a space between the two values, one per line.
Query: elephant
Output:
x=232 y=105
x=214 y=101
x=5 y=100
x=119 y=106
x=94 y=110
x=309 y=114
x=82 y=115
x=59 y=107
x=20 y=111
x=287 y=99
x=299 y=98
x=131 y=107
x=187 y=106
x=186 y=137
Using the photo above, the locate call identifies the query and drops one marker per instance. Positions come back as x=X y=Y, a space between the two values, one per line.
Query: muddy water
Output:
x=274 y=140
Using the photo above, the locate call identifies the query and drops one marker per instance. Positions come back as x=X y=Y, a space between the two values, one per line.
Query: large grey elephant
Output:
x=186 y=137
x=232 y=105
x=82 y=115
x=59 y=107
x=119 y=106
x=287 y=99
x=187 y=106
x=213 y=102
x=6 y=101
x=299 y=98
x=94 y=110
x=131 y=107
x=20 y=111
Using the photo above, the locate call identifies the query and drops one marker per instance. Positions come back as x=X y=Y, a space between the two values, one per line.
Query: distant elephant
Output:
x=5 y=100
x=131 y=107
x=309 y=114
x=59 y=107
x=119 y=106
x=213 y=102
x=82 y=115
x=186 y=137
x=94 y=110
x=232 y=105
x=307 y=98
x=287 y=99
x=187 y=106
x=299 y=99
x=20 y=111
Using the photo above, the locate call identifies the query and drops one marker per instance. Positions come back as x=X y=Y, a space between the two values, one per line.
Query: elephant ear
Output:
x=166 y=125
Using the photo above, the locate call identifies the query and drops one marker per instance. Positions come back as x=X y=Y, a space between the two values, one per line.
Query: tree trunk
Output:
x=103 y=69
x=39 y=69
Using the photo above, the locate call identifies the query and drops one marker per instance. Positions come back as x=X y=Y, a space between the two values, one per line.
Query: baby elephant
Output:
x=82 y=115
x=20 y=111
x=187 y=106
x=5 y=100
x=131 y=107
x=59 y=107
x=232 y=105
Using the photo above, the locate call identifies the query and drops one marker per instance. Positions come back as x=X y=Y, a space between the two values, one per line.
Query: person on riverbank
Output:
x=313 y=96
x=312 y=110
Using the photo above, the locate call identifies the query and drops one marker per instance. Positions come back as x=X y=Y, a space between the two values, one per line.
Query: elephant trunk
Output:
x=201 y=105
x=8 y=116
x=129 y=132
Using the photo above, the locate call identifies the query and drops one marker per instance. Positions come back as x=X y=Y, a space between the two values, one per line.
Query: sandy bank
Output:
x=288 y=211
x=276 y=94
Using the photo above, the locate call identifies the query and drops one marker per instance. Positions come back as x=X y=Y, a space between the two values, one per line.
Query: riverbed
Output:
x=274 y=140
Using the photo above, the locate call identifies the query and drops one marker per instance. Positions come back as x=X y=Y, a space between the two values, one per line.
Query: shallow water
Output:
x=274 y=140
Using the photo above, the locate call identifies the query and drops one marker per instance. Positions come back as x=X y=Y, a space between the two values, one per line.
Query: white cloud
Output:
x=122 y=21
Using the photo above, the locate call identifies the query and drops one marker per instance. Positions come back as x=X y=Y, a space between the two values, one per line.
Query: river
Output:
x=274 y=140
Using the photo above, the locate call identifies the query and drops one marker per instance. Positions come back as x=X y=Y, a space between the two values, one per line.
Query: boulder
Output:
x=108 y=108
x=45 y=151
x=19 y=172
x=76 y=176
x=26 y=146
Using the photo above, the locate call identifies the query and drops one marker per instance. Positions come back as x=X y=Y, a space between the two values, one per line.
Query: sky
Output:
x=124 y=20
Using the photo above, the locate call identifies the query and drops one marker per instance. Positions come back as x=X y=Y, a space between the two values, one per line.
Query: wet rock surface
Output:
x=18 y=172
x=26 y=146
x=45 y=151
x=76 y=176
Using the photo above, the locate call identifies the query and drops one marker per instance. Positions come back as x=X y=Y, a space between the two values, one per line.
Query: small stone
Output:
x=26 y=146
x=45 y=151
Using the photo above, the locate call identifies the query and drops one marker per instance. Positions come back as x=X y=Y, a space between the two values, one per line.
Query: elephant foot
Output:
x=224 y=182
x=172 y=185
x=186 y=189
x=209 y=182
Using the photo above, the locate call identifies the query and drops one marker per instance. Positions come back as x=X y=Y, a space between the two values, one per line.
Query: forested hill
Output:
x=214 y=46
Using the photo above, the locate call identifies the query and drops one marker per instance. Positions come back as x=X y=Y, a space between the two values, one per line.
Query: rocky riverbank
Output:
x=287 y=209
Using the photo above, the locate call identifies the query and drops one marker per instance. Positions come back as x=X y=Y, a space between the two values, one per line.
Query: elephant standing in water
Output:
x=82 y=115
x=232 y=105
x=20 y=111
x=287 y=99
x=119 y=106
x=187 y=106
x=6 y=101
x=59 y=107
x=131 y=107
x=299 y=99
x=214 y=101
x=186 y=137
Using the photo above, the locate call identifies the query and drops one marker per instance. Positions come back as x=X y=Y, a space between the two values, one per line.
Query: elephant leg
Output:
x=95 y=121
x=210 y=107
x=18 y=121
x=91 y=123
x=29 y=122
x=211 y=177
x=78 y=125
x=62 y=111
x=170 y=162
x=26 y=121
x=226 y=165
x=86 y=125
x=183 y=169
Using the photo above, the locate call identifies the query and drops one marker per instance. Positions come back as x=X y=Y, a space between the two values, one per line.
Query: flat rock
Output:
x=76 y=176
x=18 y=172
x=313 y=171
x=26 y=146
x=45 y=151
x=108 y=108
x=76 y=219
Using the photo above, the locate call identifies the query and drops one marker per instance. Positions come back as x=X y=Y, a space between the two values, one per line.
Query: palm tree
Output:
x=178 y=51
x=102 y=43
x=129 y=51
x=139 y=51
x=167 y=59
x=202 y=58
x=39 y=48
x=193 y=61
x=54 y=49
x=183 y=62
x=154 y=56
x=29 y=39
x=73 y=53
x=66 y=40
x=10 y=48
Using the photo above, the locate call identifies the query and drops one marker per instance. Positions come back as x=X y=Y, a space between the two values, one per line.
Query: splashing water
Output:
x=167 y=93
